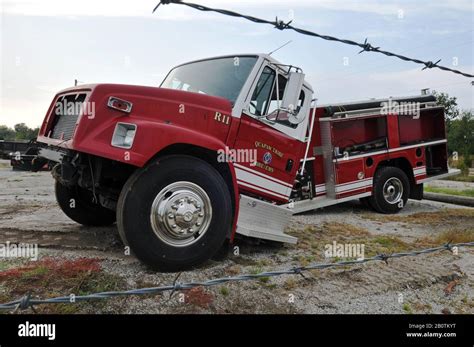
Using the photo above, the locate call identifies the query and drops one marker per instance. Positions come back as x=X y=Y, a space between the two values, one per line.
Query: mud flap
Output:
x=416 y=192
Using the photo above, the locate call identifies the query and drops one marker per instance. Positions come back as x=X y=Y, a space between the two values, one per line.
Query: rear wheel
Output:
x=390 y=191
x=78 y=204
x=175 y=213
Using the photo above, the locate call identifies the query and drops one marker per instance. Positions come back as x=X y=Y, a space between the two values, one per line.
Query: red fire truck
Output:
x=226 y=145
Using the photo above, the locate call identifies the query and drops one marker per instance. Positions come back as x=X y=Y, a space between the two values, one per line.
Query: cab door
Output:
x=277 y=143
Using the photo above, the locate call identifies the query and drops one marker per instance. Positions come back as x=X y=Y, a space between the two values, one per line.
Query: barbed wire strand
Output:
x=281 y=25
x=27 y=302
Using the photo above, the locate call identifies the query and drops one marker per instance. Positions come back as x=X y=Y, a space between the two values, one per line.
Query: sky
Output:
x=47 y=44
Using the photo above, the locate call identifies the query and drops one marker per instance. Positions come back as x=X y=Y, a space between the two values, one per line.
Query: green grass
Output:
x=383 y=244
x=34 y=273
x=224 y=291
x=407 y=308
x=450 y=191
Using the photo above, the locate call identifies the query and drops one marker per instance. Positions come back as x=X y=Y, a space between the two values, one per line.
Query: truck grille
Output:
x=65 y=114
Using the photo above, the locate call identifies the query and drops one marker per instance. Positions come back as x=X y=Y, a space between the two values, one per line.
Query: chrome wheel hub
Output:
x=393 y=190
x=181 y=213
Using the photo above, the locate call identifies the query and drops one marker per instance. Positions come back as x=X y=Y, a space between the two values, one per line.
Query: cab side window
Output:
x=266 y=98
x=277 y=94
x=261 y=96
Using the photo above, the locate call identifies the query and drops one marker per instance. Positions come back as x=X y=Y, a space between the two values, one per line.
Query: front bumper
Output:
x=53 y=154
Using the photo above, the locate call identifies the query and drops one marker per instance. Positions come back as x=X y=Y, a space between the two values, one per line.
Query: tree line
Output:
x=459 y=130
x=19 y=132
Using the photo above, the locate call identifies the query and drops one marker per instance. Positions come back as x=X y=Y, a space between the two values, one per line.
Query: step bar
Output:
x=263 y=220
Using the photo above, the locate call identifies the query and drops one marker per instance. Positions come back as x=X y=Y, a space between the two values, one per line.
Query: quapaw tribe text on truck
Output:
x=147 y=158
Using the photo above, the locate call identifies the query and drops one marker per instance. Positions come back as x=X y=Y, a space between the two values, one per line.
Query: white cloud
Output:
x=382 y=84
x=382 y=7
x=413 y=80
x=107 y=8
x=143 y=8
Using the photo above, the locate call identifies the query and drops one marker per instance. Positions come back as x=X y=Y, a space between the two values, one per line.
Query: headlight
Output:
x=124 y=134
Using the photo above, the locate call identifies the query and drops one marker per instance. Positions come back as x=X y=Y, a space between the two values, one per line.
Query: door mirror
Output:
x=289 y=103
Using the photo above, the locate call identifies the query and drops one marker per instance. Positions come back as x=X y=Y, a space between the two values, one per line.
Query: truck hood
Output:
x=197 y=99
x=162 y=117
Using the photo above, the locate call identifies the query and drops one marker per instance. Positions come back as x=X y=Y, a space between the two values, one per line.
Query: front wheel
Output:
x=78 y=204
x=391 y=190
x=175 y=213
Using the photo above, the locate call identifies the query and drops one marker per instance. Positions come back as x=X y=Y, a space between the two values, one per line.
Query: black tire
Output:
x=82 y=209
x=390 y=177
x=144 y=188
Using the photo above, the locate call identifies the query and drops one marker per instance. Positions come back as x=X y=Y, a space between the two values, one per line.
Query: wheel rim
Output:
x=393 y=190
x=181 y=213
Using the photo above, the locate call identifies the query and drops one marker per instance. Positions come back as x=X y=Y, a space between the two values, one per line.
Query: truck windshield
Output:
x=222 y=77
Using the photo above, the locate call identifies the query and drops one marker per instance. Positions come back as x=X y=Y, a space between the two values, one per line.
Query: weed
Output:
x=407 y=308
x=224 y=291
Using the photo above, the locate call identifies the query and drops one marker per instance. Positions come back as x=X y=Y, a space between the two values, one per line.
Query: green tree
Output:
x=23 y=132
x=461 y=137
x=6 y=133
x=450 y=105
x=459 y=128
x=451 y=109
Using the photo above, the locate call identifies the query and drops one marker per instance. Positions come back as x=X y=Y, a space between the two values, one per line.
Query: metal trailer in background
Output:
x=7 y=148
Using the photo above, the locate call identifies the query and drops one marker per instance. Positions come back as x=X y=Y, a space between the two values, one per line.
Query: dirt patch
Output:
x=450 y=236
x=90 y=238
x=4 y=164
x=313 y=239
x=7 y=211
x=312 y=236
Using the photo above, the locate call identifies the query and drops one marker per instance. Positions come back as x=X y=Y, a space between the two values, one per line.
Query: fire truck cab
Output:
x=226 y=145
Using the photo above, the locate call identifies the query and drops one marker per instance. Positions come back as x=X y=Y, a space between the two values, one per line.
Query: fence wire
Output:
x=281 y=25
x=27 y=301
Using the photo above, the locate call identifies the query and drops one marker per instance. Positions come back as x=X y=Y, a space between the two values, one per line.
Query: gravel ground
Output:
x=435 y=283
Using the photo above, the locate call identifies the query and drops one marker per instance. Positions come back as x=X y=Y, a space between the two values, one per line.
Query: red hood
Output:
x=203 y=100
x=163 y=117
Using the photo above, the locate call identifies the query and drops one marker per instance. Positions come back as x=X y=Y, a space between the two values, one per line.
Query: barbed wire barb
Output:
x=384 y=257
x=176 y=285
